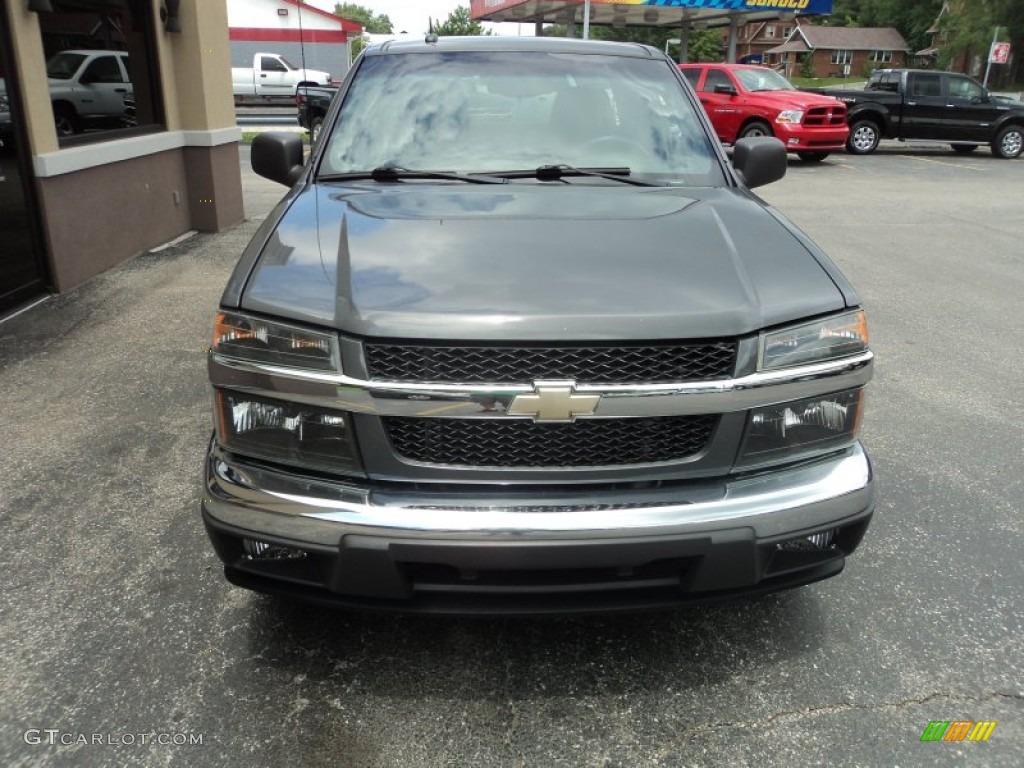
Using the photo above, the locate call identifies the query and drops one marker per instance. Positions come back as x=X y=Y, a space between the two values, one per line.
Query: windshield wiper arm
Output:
x=392 y=173
x=556 y=172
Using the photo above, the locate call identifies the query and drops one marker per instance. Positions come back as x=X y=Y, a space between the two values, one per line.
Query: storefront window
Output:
x=22 y=274
x=101 y=68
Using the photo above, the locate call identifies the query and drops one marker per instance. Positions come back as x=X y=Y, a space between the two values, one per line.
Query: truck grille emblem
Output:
x=553 y=401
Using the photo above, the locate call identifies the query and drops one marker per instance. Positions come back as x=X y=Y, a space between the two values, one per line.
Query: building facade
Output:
x=308 y=37
x=117 y=134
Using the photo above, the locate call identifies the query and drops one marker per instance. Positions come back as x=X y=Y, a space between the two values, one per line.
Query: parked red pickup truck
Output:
x=745 y=100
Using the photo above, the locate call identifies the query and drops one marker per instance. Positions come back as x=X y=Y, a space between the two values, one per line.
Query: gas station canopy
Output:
x=644 y=13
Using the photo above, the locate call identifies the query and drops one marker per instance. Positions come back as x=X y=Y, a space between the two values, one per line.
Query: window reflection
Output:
x=22 y=275
x=100 y=67
x=479 y=112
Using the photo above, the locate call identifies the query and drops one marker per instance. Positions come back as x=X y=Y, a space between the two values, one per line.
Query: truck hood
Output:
x=794 y=99
x=532 y=261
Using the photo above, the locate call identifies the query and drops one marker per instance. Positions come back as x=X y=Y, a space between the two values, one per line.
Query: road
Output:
x=116 y=620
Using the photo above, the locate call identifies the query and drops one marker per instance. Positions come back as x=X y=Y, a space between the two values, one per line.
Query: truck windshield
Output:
x=62 y=66
x=763 y=80
x=477 y=112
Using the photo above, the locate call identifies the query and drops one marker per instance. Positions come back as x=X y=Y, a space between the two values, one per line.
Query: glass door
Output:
x=22 y=274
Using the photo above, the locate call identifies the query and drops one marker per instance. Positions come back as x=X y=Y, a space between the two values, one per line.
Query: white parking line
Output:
x=943 y=162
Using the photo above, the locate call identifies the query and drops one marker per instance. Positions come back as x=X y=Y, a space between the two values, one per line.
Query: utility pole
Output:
x=988 y=61
x=586 y=19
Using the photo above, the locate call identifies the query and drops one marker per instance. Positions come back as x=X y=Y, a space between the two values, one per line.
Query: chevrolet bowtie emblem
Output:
x=553 y=401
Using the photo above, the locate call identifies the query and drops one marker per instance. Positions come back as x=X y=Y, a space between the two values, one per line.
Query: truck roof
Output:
x=910 y=70
x=510 y=44
x=722 y=65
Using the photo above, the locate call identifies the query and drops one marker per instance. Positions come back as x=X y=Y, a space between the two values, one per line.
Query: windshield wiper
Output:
x=393 y=173
x=557 y=172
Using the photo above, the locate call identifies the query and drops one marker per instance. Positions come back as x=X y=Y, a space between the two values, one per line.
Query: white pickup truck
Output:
x=88 y=88
x=272 y=75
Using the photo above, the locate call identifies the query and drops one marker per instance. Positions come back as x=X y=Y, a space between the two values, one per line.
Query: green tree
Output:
x=807 y=65
x=459 y=24
x=913 y=18
x=376 y=24
x=970 y=25
x=707 y=45
x=844 y=14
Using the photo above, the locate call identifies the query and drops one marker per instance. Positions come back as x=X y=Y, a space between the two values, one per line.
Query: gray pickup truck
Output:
x=923 y=105
x=520 y=339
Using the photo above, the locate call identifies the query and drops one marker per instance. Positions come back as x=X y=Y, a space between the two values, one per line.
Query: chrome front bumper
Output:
x=264 y=502
x=497 y=550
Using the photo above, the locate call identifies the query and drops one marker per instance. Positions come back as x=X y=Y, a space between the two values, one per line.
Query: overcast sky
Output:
x=411 y=15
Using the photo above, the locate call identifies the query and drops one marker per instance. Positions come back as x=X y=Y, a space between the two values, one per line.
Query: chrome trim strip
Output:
x=384 y=398
x=262 y=500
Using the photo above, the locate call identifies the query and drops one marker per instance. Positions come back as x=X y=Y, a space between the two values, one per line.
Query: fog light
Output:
x=817 y=542
x=263 y=550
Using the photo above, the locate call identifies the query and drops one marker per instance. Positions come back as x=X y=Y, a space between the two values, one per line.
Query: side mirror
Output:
x=722 y=88
x=278 y=156
x=760 y=160
x=86 y=79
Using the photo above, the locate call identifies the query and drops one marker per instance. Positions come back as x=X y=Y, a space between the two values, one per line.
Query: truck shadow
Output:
x=512 y=659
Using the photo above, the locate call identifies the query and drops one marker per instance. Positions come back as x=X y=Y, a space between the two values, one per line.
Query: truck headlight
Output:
x=790 y=116
x=289 y=433
x=790 y=430
x=261 y=341
x=828 y=339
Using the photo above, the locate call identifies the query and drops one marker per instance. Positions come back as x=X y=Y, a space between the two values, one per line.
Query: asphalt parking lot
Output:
x=116 y=621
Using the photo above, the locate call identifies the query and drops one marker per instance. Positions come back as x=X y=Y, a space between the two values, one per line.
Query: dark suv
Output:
x=520 y=339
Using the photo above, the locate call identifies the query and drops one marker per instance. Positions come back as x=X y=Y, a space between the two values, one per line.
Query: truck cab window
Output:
x=270 y=64
x=962 y=88
x=926 y=85
x=104 y=69
x=716 y=77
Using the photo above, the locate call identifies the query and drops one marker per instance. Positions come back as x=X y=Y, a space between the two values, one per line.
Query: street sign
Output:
x=1000 y=53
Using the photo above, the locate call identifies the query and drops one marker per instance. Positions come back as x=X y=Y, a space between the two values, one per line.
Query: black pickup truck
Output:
x=313 y=102
x=912 y=105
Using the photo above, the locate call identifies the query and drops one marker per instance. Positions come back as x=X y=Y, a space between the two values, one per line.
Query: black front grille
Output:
x=648 y=363
x=521 y=443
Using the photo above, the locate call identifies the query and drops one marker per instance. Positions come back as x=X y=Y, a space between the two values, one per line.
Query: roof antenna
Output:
x=431 y=35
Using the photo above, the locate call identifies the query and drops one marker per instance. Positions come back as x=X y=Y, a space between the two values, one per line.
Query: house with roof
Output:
x=754 y=38
x=839 y=51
